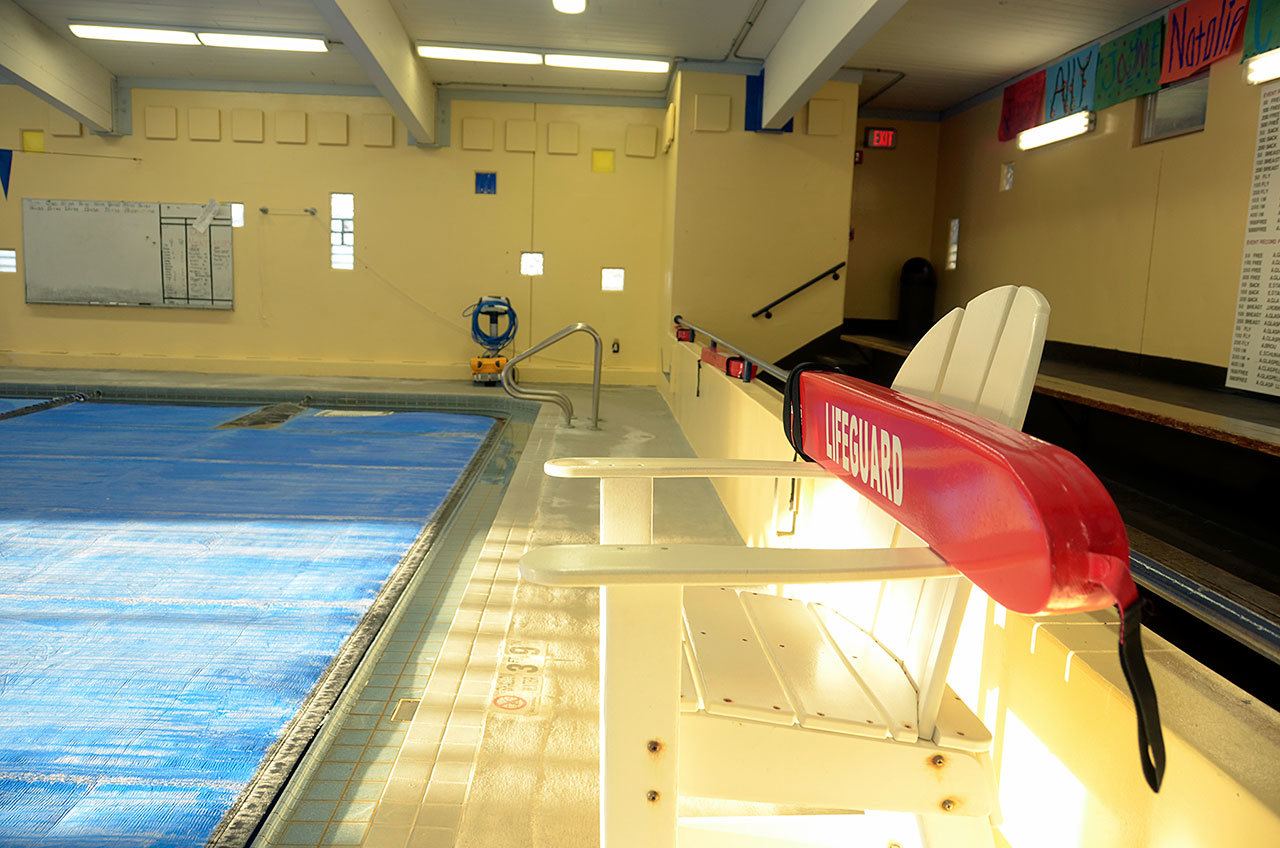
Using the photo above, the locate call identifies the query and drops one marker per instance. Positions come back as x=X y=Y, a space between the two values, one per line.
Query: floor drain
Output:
x=405 y=709
x=272 y=415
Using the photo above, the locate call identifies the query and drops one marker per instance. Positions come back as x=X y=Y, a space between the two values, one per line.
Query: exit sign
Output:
x=881 y=138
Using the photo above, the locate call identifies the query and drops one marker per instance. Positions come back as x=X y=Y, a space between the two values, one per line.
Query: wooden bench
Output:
x=712 y=686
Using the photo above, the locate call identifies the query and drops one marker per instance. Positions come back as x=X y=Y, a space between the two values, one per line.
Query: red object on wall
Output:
x=881 y=138
x=1199 y=33
x=1026 y=521
x=734 y=366
x=1023 y=106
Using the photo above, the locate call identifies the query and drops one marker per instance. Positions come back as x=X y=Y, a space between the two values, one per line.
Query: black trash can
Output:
x=917 y=291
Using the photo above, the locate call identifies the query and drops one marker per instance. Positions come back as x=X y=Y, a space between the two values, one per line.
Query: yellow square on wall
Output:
x=602 y=161
x=33 y=141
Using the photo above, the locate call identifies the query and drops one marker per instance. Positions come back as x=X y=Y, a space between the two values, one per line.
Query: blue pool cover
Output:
x=171 y=592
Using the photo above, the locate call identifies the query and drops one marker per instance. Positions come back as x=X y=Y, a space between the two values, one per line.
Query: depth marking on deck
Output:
x=518 y=689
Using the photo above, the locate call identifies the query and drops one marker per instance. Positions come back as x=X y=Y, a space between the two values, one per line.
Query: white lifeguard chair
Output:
x=711 y=690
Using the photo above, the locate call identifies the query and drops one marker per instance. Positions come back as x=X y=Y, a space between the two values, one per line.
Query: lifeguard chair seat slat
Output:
x=737 y=680
x=823 y=689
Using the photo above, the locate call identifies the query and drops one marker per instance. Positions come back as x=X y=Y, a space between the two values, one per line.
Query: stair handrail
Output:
x=767 y=310
x=560 y=399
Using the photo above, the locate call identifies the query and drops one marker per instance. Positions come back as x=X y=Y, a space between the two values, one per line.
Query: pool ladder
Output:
x=560 y=399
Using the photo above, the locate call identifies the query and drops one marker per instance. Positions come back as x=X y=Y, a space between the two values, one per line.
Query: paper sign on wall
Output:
x=1199 y=33
x=1255 y=347
x=1023 y=106
x=1129 y=66
x=1262 y=29
x=1069 y=85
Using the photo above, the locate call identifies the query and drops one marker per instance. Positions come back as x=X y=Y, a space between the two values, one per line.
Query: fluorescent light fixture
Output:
x=1059 y=130
x=607 y=63
x=106 y=32
x=569 y=7
x=263 y=42
x=475 y=54
x=612 y=279
x=531 y=264
x=1262 y=68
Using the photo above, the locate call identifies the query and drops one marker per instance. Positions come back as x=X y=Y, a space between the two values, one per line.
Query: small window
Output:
x=953 y=244
x=237 y=215
x=531 y=264
x=342 y=231
x=1176 y=110
x=612 y=279
x=1006 y=176
x=8 y=261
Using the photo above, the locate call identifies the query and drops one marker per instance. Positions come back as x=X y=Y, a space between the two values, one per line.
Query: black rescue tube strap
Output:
x=1134 y=664
x=791 y=423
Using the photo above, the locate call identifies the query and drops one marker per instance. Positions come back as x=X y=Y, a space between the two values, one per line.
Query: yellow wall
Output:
x=1051 y=691
x=755 y=215
x=427 y=246
x=893 y=194
x=1137 y=247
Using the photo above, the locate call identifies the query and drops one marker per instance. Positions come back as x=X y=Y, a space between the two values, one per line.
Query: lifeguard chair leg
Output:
x=640 y=633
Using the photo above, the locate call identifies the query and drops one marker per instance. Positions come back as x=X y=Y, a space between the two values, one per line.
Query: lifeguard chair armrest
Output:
x=654 y=467
x=722 y=565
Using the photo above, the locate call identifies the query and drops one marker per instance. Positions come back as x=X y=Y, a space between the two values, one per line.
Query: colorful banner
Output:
x=1023 y=106
x=1199 y=33
x=1069 y=84
x=1129 y=66
x=6 y=164
x=1262 y=32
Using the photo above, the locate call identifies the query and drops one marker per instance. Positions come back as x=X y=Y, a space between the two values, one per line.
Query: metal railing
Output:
x=767 y=310
x=762 y=364
x=560 y=399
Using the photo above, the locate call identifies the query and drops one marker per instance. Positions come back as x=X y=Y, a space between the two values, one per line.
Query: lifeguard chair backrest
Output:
x=982 y=358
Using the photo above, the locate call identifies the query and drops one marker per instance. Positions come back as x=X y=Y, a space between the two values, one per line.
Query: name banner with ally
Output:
x=1069 y=85
x=1129 y=66
x=1199 y=33
x=1262 y=30
x=1023 y=106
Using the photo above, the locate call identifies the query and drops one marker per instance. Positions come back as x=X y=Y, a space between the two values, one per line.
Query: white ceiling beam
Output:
x=50 y=67
x=374 y=35
x=820 y=38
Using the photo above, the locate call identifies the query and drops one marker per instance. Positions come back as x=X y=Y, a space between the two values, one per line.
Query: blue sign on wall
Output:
x=1068 y=85
x=486 y=182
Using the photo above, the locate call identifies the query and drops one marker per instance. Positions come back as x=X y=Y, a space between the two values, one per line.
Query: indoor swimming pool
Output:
x=177 y=595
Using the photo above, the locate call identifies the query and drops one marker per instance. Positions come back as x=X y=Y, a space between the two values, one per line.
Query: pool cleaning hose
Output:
x=492 y=307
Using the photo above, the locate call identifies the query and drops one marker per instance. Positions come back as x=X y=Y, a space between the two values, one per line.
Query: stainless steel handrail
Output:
x=560 y=399
x=763 y=364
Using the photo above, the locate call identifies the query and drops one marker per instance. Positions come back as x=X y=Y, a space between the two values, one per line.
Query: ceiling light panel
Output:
x=145 y=35
x=607 y=63
x=569 y=7
x=264 y=42
x=476 y=54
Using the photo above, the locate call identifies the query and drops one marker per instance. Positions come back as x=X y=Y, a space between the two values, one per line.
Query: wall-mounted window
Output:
x=612 y=279
x=531 y=264
x=342 y=231
x=953 y=244
x=1176 y=110
x=8 y=261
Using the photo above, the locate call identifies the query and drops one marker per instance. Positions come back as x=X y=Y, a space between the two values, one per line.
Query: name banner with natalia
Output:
x=1069 y=85
x=1262 y=31
x=1199 y=33
x=1023 y=106
x=1129 y=66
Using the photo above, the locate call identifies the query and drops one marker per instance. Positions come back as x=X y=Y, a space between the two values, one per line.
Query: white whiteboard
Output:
x=124 y=253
